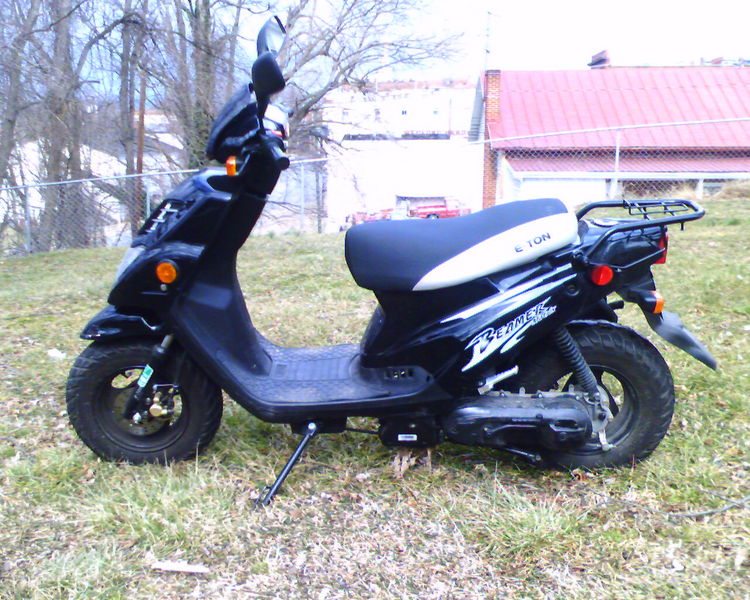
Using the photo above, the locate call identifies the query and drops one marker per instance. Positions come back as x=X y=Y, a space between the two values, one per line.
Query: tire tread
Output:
x=79 y=387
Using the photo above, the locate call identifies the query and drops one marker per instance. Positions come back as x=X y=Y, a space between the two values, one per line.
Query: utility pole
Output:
x=487 y=42
x=141 y=210
x=139 y=149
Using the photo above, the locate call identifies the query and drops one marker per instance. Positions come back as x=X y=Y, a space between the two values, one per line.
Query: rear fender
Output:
x=666 y=324
x=601 y=311
x=669 y=326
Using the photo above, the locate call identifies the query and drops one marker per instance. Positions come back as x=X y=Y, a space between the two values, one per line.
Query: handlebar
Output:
x=266 y=146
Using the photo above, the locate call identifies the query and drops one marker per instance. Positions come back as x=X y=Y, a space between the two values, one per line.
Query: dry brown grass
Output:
x=478 y=525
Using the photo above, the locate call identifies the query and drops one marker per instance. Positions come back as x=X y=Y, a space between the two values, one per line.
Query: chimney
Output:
x=600 y=60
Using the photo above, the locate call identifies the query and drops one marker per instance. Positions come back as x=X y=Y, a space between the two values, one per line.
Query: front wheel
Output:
x=636 y=380
x=185 y=413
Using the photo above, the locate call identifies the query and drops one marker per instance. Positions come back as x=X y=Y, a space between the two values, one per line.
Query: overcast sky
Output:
x=546 y=34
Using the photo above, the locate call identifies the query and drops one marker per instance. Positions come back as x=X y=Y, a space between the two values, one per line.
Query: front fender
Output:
x=110 y=324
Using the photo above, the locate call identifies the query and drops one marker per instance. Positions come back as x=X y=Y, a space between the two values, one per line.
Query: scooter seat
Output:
x=429 y=254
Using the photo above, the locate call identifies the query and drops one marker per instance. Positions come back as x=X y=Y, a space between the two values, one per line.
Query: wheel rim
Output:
x=624 y=405
x=155 y=433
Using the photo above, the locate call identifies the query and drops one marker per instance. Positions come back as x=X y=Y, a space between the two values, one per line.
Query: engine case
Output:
x=552 y=420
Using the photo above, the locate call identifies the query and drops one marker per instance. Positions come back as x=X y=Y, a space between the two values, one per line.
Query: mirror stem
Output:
x=262 y=106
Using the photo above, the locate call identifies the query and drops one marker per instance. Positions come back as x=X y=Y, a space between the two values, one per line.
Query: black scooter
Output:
x=492 y=329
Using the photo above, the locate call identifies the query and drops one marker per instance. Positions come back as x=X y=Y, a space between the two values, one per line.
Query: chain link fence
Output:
x=319 y=195
x=696 y=158
x=108 y=211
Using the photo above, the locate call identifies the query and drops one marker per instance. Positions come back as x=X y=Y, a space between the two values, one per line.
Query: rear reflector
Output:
x=601 y=275
x=663 y=244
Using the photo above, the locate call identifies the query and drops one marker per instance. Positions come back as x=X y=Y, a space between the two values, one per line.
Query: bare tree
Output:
x=198 y=42
x=332 y=44
x=20 y=25
x=68 y=66
x=131 y=58
x=66 y=211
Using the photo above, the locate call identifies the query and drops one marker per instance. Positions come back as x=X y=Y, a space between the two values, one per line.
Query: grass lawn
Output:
x=478 y=524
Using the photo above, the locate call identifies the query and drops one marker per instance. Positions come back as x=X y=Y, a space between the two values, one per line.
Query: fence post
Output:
x=302 y=198
x=614 y=184
x=27 y=222
x=147 y=203
x=699 y=189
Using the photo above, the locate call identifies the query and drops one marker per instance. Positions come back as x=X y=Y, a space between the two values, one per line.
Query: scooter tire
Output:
x=102 y=378
x=642 y=404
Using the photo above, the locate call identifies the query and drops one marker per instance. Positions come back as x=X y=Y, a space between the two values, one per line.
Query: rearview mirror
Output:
x=271 y=36
x=267 y=76
x=266 y=73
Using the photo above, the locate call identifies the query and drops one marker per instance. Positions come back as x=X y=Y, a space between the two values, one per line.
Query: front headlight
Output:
x=127 y=260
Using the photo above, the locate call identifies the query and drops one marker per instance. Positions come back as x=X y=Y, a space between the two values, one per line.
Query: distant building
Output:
x=401 y=109
x=576 y=135
x=401 y=139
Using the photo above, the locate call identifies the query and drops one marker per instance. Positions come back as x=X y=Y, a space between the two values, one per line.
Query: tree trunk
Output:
x=126 y=104
x=65 y=215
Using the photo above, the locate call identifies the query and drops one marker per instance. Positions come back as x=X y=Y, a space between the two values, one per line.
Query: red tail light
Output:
x=663 y=244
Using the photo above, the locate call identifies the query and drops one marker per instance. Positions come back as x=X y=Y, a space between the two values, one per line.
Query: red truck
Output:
x=363 y=217
x=411 y=208
x=430 y=207
x=437 y=211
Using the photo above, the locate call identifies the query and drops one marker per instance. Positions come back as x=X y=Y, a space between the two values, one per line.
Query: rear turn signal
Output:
x=602 y=275
x=658 y=303
x=166 y=271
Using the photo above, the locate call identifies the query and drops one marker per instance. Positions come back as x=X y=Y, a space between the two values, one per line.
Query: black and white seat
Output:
x=417 y=255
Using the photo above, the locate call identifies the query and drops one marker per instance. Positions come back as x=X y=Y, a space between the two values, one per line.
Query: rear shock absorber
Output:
x=572 y=354
x=585 y=378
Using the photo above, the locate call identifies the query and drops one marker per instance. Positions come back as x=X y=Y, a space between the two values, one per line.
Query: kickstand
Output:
x=268 y=492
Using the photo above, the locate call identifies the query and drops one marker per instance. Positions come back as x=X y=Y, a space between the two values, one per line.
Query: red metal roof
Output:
x=604 y=162
x=542 y=102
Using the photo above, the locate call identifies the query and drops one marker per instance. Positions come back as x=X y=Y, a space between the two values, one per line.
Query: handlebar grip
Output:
x=279 y=157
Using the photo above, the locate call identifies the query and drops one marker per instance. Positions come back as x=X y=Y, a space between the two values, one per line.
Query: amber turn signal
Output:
x=231 y=166
x=166 y=271
x=659 y=303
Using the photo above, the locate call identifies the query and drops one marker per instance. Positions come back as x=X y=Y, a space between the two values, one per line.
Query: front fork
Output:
x=598 y=403
x=136 y=404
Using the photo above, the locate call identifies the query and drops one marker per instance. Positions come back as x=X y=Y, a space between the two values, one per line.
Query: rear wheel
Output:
x=637 y=383
x=185 y=413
